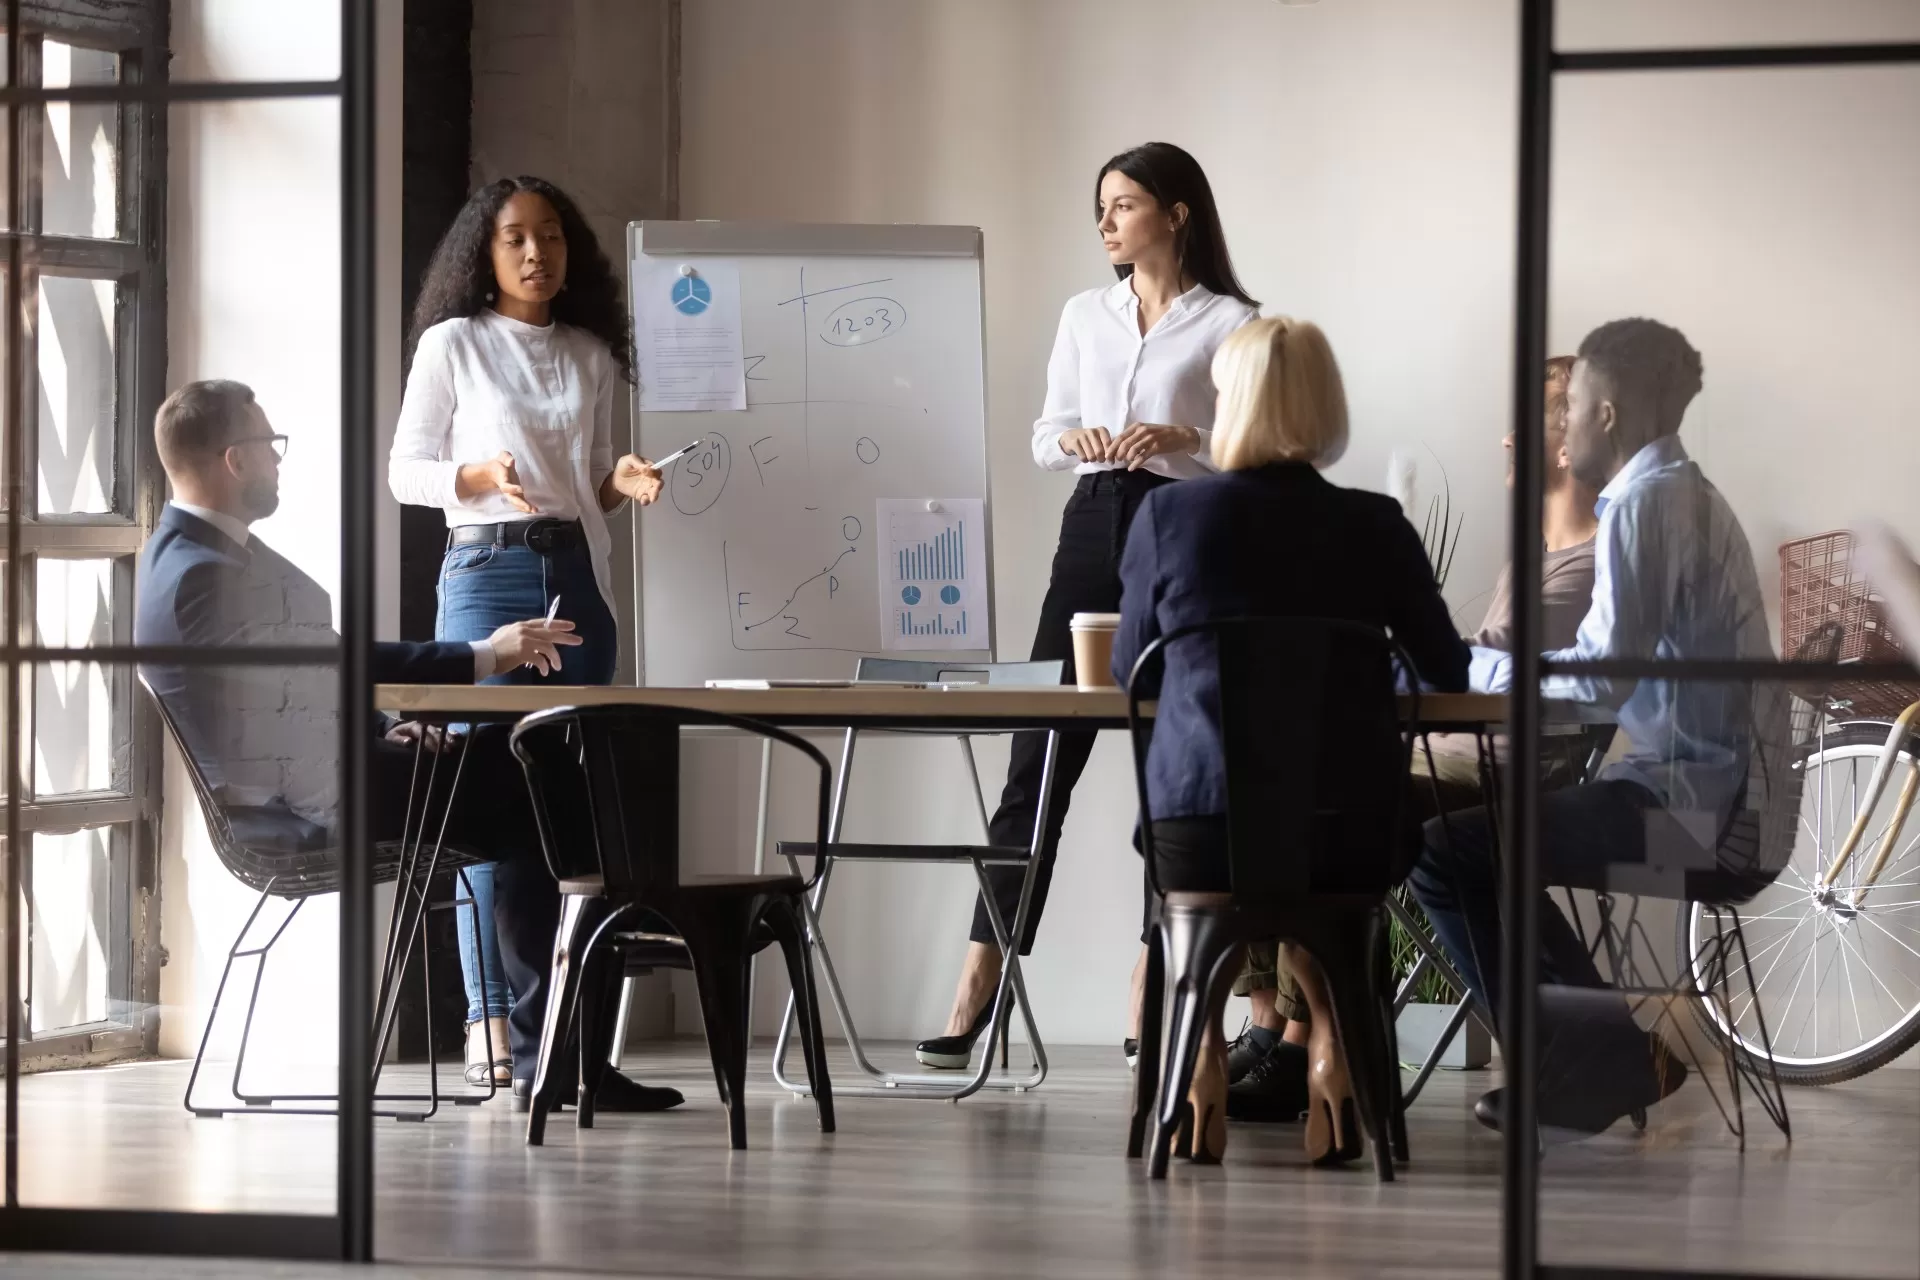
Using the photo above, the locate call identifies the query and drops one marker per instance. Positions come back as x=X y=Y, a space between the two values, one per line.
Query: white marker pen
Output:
x=676 y=455
x=553 y=611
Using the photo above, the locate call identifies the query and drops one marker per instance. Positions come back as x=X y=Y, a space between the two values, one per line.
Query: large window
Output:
x=83 y=231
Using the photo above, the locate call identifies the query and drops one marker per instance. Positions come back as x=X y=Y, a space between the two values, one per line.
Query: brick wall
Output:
x=585 y=93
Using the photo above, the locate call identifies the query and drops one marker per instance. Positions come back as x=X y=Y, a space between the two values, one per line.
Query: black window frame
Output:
x=135 y=32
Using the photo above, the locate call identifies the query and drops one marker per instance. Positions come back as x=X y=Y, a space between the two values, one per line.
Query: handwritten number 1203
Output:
x=847 y=326
x=863 y=321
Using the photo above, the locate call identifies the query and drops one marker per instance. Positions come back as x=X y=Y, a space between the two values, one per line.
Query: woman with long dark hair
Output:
x=1129 y=408
x=520 y=342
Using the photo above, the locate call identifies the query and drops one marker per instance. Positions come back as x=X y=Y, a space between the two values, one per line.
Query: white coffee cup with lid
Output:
x=1093 y=635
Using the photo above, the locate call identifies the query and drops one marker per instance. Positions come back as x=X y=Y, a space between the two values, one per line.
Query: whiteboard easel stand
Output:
x=693 y=239
x=1010 y=992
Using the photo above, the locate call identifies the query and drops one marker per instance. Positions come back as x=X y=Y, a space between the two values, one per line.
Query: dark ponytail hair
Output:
x=1171 y=176
x=459 y=280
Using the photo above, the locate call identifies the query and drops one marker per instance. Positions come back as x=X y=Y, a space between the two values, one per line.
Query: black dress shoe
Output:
x=953 y=1053
x=616 y=1093
x=1569 y=1115
x=620 y=1093
x=1243 y=1052
x=1275 y=1090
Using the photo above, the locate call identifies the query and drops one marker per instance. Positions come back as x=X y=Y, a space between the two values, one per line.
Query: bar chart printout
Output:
x=933 y=580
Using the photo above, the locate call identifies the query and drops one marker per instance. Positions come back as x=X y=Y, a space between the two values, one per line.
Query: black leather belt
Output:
x=1120 y=480
x=544 y=536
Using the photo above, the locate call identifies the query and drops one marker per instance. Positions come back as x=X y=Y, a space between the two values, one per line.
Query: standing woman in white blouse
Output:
x=521 y=342
x=1129 y=408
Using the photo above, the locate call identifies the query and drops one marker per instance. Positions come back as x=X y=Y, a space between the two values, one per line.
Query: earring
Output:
x=489 y=295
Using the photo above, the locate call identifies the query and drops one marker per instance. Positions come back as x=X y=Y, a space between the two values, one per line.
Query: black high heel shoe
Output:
x=953 y=1053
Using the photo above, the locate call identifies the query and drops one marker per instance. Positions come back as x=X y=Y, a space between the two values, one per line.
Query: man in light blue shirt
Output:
x=1674 y=580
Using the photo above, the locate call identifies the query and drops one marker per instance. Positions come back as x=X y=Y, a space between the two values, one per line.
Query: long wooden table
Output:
x=985 y=707
x=961 y=709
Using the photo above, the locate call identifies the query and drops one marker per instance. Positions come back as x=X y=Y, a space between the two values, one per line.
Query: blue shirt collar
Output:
x=1664 y=452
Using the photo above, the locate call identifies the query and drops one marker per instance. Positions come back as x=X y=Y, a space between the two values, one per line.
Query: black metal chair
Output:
x=606 y=795
x=1313 y=851
x=274 y=851
x=1750 y=855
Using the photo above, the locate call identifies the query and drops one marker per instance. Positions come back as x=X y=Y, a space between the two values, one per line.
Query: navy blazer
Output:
x=1273 y=541
x=188 y=567
x=250 y=729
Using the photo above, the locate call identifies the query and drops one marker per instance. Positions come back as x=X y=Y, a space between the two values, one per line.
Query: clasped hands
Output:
x=1139 y=442
x=633 y=477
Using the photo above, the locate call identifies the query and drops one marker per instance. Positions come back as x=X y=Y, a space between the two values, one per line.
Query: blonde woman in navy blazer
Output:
x=1268 y=535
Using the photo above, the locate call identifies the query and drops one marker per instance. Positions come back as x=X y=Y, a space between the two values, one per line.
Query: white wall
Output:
x=1363 y=155
x=254 y=294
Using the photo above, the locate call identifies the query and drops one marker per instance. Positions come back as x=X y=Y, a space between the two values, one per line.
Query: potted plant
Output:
x=1432 y=1001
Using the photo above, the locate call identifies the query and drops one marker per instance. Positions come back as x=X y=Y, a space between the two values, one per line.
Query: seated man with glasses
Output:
x=1674 y=581
x=267 y=736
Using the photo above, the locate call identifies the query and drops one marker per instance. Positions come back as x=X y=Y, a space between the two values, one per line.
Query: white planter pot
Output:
x=1420 y=1025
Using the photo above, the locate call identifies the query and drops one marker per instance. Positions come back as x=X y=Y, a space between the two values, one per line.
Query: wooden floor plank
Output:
x=998 y=1185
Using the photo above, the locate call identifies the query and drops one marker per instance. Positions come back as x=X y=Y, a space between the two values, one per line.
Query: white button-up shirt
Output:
x=487 y=382
x=1104 y=373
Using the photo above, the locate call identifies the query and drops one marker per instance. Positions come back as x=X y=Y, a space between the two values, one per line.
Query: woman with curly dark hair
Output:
x=520 y=343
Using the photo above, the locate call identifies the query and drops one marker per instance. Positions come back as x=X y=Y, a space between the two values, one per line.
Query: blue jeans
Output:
x=483 y=588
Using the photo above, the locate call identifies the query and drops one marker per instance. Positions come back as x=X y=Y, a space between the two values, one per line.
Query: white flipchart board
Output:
x=761 y=558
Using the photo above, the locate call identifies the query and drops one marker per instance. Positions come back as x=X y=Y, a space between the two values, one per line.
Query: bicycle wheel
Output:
x=1837 y=970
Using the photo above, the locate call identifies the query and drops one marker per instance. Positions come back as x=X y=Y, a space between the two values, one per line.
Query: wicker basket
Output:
x=1819 y=584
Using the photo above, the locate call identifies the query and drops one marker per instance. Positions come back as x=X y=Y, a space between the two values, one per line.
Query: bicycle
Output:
x=1833 y=944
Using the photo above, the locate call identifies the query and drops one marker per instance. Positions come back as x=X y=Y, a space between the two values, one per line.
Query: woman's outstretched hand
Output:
x=495 y=475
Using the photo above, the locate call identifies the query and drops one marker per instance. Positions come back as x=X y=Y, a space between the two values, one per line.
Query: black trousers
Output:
x=492 y=817
x=1086 y=579
x=1587 y=1036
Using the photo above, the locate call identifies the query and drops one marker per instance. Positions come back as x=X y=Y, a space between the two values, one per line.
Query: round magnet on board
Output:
x=934 y=506
x=686 y=268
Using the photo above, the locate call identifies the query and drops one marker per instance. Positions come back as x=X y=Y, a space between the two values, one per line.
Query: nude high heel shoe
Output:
x=1333 y=1121
x=1202 y=1136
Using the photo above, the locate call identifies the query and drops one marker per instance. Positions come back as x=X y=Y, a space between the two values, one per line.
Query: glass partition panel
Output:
x=236 y=879
x=1764 y=966
x=1740 y=866
x=174 y=880
x=1668 y=24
